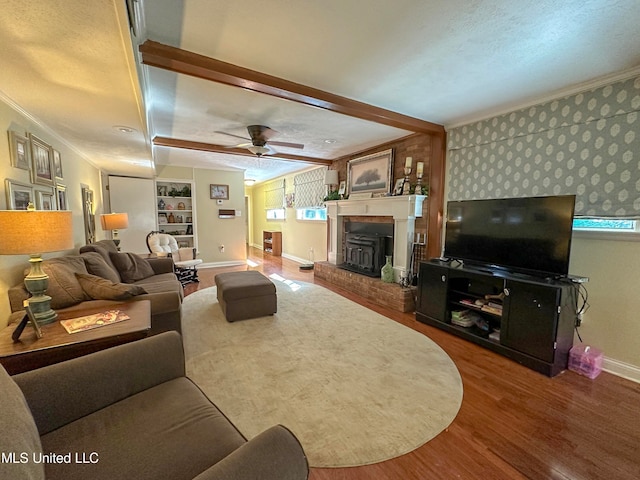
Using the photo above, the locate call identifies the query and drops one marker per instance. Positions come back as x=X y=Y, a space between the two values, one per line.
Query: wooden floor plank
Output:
x=514 y=423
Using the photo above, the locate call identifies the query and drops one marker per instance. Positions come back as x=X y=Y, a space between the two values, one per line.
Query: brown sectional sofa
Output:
x=130 y=412
x=100 y=276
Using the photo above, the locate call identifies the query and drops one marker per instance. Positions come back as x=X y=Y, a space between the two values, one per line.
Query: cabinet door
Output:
x=432 y=291
x=530 y=319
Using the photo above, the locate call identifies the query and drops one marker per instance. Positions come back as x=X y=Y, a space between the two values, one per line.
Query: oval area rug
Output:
x=354 y=386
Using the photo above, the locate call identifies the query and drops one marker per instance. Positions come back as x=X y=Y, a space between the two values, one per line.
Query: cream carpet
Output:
x=354 y=386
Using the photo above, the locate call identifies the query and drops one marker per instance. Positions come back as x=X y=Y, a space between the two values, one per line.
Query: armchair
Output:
x=184 y=259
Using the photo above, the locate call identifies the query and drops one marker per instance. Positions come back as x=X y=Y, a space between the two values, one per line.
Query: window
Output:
x=276 y=214
x=605 y=225
x=319 y=214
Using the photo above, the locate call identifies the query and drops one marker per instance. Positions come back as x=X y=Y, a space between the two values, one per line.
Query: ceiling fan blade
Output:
x=287 y=144
x=232 y=135
x=240 y=145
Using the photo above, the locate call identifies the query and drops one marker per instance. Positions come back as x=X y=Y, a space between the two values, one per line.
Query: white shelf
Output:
x=189 y=210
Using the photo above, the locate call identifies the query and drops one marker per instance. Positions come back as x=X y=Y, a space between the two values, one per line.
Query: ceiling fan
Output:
x=259 y=143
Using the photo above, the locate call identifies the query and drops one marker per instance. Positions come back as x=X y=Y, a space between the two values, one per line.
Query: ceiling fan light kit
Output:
x=260 y=135
x=259 y=150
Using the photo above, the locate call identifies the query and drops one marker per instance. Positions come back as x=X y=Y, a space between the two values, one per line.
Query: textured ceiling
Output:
x=66 y=63
x=71 y=65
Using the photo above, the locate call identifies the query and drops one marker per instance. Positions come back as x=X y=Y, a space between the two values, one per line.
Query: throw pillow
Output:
x=97 y=265
x=103 y=248
x=64 y=288
x=131 y=267
x=19 y=433
x=100 y=288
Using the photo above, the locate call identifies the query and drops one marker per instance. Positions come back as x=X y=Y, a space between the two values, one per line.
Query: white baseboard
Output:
x=621 y=369
x=286 y=255
x=295 y=259
x=233 y=263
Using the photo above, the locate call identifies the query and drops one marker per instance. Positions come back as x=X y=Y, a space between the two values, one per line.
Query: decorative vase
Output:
x=161 y=204
x=386 y=273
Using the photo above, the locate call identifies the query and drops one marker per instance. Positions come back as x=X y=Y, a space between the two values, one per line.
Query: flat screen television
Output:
x=529 y=235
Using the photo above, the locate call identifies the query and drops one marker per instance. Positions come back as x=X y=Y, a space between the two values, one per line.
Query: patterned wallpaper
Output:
x=586 y=144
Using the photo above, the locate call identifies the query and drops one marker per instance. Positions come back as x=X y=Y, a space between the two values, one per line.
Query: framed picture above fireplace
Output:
x=371 y=174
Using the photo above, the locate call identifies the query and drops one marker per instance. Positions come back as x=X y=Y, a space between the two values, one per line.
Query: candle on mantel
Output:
x=407 y=163
x=419 y=168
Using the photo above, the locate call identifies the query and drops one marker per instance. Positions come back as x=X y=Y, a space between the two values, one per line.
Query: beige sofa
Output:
x=100 y=276
x=130 y=412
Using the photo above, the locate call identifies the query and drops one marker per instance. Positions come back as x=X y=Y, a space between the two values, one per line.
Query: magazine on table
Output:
x=95 y=320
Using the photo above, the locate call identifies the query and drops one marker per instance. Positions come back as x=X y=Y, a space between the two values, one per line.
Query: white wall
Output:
x=612 y=323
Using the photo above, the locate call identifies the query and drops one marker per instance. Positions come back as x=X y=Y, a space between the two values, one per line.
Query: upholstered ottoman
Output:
x=247 y=294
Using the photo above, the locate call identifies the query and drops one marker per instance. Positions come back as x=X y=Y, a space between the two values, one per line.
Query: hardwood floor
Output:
x=513 y=424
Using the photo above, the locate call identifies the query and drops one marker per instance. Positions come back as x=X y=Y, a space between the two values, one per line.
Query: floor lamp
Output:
x=114 y=222
x=27 y=231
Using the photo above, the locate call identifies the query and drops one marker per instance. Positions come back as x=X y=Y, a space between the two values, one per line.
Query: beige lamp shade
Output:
x=114 y=221
x=24 y=232
x=331 y=177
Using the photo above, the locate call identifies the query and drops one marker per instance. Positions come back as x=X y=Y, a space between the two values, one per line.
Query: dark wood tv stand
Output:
x=537 y=320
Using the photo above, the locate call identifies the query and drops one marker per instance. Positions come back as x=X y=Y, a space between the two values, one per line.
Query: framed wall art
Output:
x=42 y=172
x=19 y=195
x=88 y=214
x=19 y=150
x=61 y=197
x=57 y=166
x=371 y=174
x=397 y=190
x=219 y=192
x=45 y=200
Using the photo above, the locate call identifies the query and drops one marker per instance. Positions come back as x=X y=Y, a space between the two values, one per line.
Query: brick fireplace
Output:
x=401 y=212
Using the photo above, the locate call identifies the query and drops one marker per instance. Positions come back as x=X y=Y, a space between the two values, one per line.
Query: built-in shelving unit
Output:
x=272 y=242
x=176 y=210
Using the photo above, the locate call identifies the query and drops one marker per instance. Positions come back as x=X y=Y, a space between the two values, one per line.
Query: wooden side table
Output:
x=56 y=345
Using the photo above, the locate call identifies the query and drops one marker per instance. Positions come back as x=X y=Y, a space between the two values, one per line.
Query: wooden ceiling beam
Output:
x=188 y=63
x=211 y=147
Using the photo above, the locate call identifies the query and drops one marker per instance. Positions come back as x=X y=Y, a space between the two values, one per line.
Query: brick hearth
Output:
x=389 y=295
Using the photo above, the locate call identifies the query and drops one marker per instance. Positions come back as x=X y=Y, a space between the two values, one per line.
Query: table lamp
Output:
x=331 y=179
x=114 y=222
x=28 y=231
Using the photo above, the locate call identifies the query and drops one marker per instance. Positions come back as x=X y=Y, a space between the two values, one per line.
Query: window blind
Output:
x=274 y=195
x=309 y=188
x=585 y=144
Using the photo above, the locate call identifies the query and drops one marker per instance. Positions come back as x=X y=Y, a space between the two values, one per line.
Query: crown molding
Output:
x=36 y=121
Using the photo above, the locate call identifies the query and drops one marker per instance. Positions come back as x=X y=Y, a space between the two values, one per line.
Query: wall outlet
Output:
x=221 y=248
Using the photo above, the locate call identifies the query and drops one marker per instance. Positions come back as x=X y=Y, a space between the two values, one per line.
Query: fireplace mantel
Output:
x=404 y=209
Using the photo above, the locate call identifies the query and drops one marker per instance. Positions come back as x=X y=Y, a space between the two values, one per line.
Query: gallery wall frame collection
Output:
x=44 y=164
